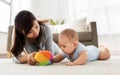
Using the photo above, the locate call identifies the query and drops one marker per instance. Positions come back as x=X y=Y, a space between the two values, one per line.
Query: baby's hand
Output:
x=70 y=64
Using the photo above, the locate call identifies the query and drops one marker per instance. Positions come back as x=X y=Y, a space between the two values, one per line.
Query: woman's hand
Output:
x=30 y=59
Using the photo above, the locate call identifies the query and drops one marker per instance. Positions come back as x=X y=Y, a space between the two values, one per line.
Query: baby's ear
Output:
x=75 y=43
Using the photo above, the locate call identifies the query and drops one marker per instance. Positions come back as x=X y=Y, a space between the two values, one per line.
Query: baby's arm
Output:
x=58 y=58
x=82 y=59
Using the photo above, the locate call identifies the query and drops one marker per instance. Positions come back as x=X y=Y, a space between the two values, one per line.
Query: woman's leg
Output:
x=104 y=53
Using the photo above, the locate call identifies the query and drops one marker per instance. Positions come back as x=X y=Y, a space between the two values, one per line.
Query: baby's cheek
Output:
x=65 y=50
x=71 y=47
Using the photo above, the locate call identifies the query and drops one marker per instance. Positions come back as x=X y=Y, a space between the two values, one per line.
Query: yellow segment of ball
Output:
x=39 y=57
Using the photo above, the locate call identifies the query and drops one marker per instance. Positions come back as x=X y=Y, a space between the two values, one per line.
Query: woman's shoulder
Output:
x=46 y=31
x=44 y=27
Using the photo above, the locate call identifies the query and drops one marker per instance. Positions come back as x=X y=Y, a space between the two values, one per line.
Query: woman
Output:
x=30 y=37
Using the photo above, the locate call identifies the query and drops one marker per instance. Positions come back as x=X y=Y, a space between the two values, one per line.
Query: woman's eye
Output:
x=30 y=32
x=36 y=27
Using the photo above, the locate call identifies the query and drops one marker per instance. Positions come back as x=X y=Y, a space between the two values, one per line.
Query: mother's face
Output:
x=34 y=32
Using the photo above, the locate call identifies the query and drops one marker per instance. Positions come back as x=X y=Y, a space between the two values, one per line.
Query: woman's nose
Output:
x=35 y=32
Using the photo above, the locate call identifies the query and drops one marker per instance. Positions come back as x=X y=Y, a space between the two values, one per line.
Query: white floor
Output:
x=108 y=67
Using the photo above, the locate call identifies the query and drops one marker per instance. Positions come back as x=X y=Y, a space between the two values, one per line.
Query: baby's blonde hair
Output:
x=71 y=34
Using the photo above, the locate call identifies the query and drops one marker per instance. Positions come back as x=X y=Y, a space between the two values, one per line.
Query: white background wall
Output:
x=42 y=9
x=104 y=12
x=45 y=8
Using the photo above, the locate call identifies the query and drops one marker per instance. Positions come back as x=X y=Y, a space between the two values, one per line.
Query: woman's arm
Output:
x=27 y=58
x=23 y=58
x=58 y=58
x=82 y=59
x=49 y=40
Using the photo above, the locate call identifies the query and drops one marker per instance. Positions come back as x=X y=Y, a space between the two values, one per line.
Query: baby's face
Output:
x=66 y=46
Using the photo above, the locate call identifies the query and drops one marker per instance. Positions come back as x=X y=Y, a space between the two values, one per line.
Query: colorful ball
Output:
x=44 y=57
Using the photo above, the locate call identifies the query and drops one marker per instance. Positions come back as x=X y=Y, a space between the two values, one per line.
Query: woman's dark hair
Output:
x=23 y=23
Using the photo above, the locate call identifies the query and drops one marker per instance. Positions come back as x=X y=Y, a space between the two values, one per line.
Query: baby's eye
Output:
x=64 y=46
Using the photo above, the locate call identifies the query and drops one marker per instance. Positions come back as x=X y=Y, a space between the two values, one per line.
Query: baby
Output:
x=76 y=52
